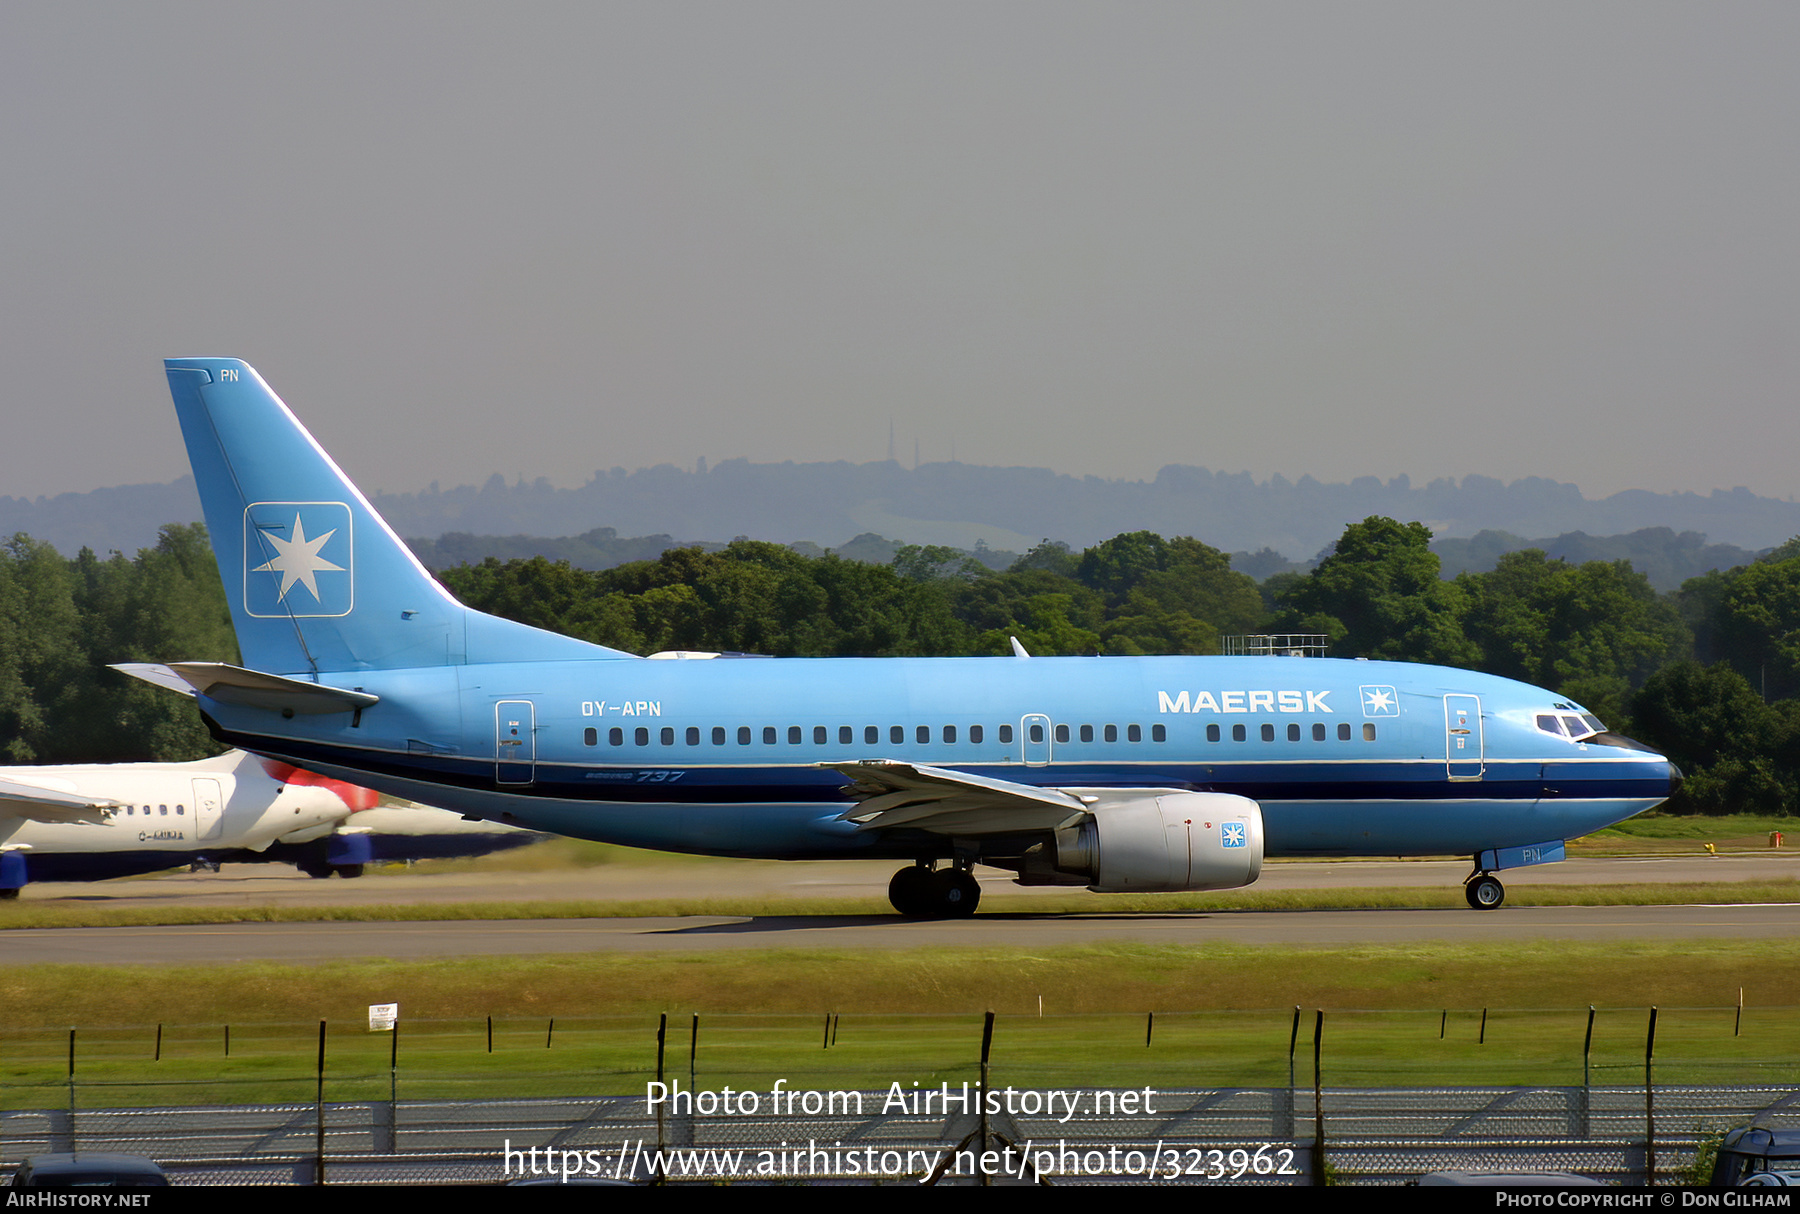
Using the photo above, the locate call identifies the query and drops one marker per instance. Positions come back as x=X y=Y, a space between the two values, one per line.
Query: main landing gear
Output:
x=920 y=891
x=1484 y=891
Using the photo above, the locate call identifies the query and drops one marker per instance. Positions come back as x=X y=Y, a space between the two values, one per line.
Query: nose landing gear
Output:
x=1484 y=891
x=921 y=891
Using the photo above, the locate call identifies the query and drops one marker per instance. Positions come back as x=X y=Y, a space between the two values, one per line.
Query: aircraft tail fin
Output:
x=315 y=577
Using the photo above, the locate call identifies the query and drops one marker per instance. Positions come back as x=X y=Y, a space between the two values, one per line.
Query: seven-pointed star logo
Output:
x=1380 y=701
x=1233 y=833
x=298 y=560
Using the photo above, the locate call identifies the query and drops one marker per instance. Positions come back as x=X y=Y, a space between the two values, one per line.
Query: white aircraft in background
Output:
x=122 y=819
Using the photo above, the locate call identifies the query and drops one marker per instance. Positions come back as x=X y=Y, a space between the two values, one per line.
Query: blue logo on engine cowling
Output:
x=1233 y=834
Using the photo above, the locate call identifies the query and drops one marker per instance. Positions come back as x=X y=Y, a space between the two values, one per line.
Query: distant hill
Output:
x=1668 y=559
x=961 y=506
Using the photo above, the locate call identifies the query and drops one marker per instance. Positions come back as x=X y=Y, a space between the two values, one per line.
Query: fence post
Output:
x=694 y=1053
x=1587 y=1073
x=987 y=1042
x=319 y=1113
x=1293 y=1040
x=1650 y=1101
x=1287 y=1111
x=1318 y=1156
x=1149 y=1027
x=662 y=1030
x=71 y=1086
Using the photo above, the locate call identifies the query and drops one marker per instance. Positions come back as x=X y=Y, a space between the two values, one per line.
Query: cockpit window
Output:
x=1566 y=724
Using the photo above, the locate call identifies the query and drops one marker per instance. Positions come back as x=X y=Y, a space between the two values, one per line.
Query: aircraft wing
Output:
x=47 y=805
x=946 y=802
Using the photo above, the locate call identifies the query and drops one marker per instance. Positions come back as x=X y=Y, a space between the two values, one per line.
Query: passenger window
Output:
x=871 y=735
x=793 y=735
x=950 y=733
x=1006 y=735
x=897 y=735
x=1293 y=732
x=1319 y=731
x=1062 y=733
x=641 y=736
x=693 y=735
x=1343 y=731
x=1087 y=733
x=1037 y=732
x=1112 y=733
x=846 y=735
x=1368 y=731
x=615 y=737
x=590 y=737
x=718 y=735
x=1134 y=733
x=1158 y=733
x=924 y=734
x=743 y=735
x=975 y=735
x=1237 y=733
x=1268 y=733
x=819 y=735
x=769 y=735
x=1212 y=733
x=668 y=736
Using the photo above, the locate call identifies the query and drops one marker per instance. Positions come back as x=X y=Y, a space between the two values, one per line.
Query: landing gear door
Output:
x=515 y=742
x=1462 y=737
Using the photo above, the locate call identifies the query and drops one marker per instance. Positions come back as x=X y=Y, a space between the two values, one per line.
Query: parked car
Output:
x=1751 y=1149
x=88 y=1170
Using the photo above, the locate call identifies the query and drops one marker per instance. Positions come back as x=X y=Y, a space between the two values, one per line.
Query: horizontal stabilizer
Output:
x=48 y=805
x=251 y=688
x=946 y=802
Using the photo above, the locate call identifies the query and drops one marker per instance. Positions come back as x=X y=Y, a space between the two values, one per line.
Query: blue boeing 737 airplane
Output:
x=1117 y=773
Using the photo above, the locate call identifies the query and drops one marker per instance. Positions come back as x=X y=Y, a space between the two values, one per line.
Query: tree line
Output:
x=1709 y=674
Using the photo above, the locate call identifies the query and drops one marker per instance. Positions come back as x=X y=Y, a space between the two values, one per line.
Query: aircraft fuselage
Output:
x=722 y=756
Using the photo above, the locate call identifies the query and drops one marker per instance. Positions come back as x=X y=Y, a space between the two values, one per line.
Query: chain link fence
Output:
x=1344 y=1097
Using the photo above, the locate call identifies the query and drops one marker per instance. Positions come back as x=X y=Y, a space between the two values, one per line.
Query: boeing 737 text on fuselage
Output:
x=1118 y=773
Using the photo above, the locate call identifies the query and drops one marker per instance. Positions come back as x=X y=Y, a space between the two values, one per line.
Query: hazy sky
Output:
x=1335 y=238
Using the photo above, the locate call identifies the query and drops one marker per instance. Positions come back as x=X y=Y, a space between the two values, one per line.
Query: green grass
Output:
x=1222 y=1016
x=1658 y=833
x=617 y=1055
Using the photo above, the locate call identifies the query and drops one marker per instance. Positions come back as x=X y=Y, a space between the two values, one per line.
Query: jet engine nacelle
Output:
x=1165 y=842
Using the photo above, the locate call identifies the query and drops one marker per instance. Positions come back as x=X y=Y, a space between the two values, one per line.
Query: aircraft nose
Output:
x=1675 y=778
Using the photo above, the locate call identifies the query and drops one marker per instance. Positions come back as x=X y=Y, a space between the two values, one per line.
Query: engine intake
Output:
x=1165 y=842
